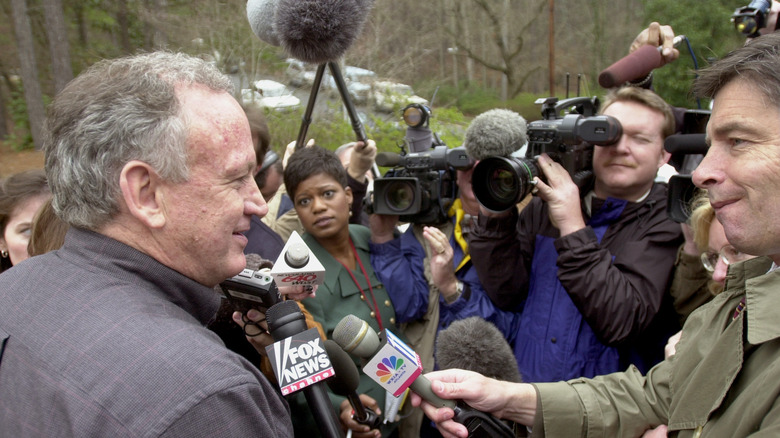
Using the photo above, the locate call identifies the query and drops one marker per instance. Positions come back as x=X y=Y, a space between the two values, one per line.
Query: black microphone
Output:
x=686 y=144
x=355 y=336
x=476 y=345
x=345 y=383
x=284 y=321
x=495 y=133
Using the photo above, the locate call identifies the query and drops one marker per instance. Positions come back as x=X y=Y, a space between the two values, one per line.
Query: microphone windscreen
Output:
x=497 y=132
x=355 y=336
x=319 y=31
x=347 y=376
x=261 y=15
x=476 y=345
x=686 y=144
x=635 y=65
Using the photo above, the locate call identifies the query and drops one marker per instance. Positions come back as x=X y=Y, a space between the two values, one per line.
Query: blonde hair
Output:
x=702 y=215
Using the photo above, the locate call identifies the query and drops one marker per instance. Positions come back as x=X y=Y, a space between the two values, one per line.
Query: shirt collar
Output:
x=126 y=263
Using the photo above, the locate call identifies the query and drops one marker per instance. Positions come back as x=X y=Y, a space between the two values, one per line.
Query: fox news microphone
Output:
x=346 y=382
x=287 y=325
x=636 y=65
x=476 y=345
x=495 y=133
x=386 y=359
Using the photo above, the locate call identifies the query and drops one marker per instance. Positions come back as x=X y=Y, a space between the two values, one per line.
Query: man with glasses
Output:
x=724 y=380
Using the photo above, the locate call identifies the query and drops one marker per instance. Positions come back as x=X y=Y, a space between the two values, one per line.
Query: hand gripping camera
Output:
x=501 y=182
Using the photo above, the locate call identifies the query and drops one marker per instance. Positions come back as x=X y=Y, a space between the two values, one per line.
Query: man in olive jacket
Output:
x=724 y=380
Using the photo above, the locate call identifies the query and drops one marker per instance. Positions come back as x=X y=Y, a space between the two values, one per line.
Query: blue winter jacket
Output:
x=592 y=302
x=399 y=264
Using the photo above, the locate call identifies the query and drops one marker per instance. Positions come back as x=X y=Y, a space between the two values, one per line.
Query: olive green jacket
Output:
x=724 y=380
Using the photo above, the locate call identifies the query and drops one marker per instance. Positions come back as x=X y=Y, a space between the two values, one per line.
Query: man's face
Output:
x=627 y=169
x=207 y=215
x=741 y=170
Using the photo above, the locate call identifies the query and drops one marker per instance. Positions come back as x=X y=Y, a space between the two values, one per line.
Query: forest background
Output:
x=473 y=55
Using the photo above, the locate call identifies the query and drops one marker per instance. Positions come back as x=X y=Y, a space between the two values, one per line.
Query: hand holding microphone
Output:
x=362 y=159
x=345 y=383
x=659 y=36
x=638 y=64
x=506 y=400
x=395 y=367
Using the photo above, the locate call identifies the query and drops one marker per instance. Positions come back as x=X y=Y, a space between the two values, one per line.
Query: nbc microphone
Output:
x=395 y=367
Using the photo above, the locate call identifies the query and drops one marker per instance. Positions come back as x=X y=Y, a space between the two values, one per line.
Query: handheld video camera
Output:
x=251 y=289
x=420 y=187
x=687 y=149
x=749 y=19
x=501 y=182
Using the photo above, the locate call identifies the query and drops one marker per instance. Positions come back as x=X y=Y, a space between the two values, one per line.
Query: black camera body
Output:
x=688 y=149
x=421 y=187
x=251 y=290
x=501 y=182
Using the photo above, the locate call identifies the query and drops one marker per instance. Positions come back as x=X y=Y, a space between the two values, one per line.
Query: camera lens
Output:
x=399 y=196
x=499 y=182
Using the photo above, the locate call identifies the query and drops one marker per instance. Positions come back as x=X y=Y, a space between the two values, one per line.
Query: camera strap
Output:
x=459 y=232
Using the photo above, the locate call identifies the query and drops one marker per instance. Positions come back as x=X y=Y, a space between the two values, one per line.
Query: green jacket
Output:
x=337 y=297
x=724 y=380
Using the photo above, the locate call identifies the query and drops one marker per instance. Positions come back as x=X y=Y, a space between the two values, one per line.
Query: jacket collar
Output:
x=762 y=297
x=332 y=267
x=125 y=263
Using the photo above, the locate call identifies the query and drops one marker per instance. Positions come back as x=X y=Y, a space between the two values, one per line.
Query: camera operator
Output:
x=589 y=272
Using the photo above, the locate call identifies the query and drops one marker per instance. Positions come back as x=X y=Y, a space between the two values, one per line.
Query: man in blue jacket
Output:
x=589 y=271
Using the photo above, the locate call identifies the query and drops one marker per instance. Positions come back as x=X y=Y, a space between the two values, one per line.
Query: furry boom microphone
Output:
x=261 y=19
x=495 y=133
x=314 y=31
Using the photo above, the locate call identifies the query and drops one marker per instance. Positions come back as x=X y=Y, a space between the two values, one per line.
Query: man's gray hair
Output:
x=117 y=111
x=757 y=62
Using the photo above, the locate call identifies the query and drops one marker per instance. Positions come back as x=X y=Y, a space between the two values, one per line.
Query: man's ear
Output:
x=141 y=186
x=664 y=158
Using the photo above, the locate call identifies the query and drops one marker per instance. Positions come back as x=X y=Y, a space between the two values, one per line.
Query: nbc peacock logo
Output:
x=388 y=367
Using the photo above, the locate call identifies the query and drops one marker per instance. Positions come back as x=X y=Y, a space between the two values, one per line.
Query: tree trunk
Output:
x=124 y=26
x=32 y=88
x=59 y=48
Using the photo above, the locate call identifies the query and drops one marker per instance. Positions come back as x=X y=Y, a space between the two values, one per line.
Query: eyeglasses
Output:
x=728 y=254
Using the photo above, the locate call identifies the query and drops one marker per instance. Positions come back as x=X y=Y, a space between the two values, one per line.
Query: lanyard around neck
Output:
x=375 y=310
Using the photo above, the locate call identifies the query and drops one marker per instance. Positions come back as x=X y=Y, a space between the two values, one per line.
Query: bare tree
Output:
x=507 y=37
x=29 y=70
x=59 y=48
